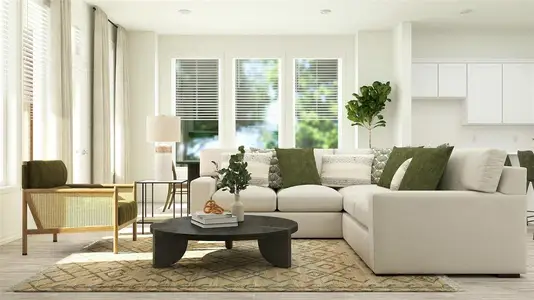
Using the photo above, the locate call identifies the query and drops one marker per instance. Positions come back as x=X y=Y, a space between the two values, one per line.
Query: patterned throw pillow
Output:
x=258 y=166
x=275 y=176
x=345 y=170
x=399 y=175
x=381 y=156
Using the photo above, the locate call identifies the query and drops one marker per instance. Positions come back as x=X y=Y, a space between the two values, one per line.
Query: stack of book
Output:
x=204 y=220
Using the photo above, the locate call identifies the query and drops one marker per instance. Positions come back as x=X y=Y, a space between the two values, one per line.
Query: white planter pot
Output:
x=238 y=209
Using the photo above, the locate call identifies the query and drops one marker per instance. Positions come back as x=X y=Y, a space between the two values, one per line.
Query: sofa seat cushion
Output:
x=356 y=199
x=309 y=197
x=254 y=198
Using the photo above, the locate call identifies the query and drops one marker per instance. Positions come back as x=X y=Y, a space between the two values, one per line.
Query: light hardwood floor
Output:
x=42 y=253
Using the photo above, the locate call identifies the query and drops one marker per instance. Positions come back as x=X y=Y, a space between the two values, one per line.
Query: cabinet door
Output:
x=452 y=80
x=518 y=93
x=424 y=80
x=484 y=93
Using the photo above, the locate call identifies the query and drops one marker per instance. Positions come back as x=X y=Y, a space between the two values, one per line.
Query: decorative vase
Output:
x=238 y=209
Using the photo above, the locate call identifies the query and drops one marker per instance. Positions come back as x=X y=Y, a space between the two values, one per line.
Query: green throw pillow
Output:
x=297 y=167
x=396 y=158
x=426 y=169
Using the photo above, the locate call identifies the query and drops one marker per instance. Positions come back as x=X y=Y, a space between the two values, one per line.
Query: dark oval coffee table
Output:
x=170 y=238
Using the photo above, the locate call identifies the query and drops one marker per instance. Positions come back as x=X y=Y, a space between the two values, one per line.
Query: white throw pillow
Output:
x=346 y=169
x=399 y=175
x=258 y=166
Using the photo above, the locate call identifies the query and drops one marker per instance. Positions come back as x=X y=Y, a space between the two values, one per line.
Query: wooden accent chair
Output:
x=57 y=207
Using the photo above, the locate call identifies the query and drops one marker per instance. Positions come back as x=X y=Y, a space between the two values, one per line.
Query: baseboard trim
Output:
x=9 y=239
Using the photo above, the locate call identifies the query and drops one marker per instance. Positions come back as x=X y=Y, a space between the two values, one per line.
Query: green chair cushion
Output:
x=127 y=209
x=44 y=174
x=396 y=158
x=297 y=167
x=426 y=169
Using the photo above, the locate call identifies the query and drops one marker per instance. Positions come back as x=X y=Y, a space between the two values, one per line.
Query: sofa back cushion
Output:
x=208 y=155
x=341 y=170
x=474 y=169
x=258 y=166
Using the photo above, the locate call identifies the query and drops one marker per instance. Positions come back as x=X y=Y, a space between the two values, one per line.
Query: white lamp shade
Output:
x=161 y=129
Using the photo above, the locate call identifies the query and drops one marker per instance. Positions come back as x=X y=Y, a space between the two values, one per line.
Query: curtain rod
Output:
x=94 y=8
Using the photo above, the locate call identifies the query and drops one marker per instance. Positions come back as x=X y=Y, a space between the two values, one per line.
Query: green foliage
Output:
x=365 y=110
x=235 y=178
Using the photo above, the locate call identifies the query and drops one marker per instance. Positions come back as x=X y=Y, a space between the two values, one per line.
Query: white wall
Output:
x=375 y=63
x=438 y=121
x=143 y=47
x=402 y=66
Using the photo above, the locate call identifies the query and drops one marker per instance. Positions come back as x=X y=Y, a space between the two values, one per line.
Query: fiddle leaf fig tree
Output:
x=366 y=107
x=236 y=177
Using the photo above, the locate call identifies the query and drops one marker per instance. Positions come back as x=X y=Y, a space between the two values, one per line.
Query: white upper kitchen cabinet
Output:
x=518 y=93
x=484 y=93
x=452 y=80
x=424 y=80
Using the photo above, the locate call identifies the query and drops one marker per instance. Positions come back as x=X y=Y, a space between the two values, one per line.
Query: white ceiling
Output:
x=304 y=17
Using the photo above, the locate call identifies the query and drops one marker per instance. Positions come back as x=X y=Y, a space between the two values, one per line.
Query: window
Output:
x=35 y=69
x=316 y=103
x=4 y=85
x=197 y=103
x=256 y=102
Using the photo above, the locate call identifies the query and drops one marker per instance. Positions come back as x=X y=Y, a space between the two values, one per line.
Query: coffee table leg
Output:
x=229 y=244
x=167 y=249
x=276 y=249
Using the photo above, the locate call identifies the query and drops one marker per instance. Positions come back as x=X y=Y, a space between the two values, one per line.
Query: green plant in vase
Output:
x=234 y=179
x=365 y=110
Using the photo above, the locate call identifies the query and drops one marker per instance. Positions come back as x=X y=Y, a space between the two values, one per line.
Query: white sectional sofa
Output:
x=454 y=230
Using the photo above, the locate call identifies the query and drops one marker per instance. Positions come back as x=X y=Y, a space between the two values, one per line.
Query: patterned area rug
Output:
x=317 y=266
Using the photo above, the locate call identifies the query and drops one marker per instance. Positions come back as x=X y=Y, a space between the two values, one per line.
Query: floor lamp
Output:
x=163 y=131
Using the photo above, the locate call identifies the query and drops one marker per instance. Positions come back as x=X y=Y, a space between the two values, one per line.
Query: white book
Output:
x=203 y=215
x=214 y=225
x=231 y=219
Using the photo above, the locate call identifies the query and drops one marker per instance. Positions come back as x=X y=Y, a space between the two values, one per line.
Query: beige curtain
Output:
x=122 y=109
x=101 y=160
x=65 y=92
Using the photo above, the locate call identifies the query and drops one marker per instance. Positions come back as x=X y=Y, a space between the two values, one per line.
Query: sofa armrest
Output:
x=443 y=225
x=202 y=189
x=513 y=181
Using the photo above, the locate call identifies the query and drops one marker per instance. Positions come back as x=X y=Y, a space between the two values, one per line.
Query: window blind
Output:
x=197 y=89
x=35 y=56
x=316 y=89
x=256 y=88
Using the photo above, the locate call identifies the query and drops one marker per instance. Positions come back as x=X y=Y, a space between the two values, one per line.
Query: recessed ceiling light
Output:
x=466 y=11
x=325 y=11
x=184 y=11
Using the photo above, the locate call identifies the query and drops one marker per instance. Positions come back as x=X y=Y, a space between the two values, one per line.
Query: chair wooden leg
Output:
x=54 y=239
x=115 y=241
x=24 y=225
x=134 y=230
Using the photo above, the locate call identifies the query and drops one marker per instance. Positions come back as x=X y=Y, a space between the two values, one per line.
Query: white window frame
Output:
x=280 y=96
x=172 y=100
x=339 y=97
x=6 y=87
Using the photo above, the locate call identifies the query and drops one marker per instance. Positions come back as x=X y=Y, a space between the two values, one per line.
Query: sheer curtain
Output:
x=101 y=100
x=65 y=87
x=122 y=112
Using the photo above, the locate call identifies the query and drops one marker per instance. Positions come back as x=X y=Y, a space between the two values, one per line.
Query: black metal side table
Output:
x=193 y=172
x=147 y=187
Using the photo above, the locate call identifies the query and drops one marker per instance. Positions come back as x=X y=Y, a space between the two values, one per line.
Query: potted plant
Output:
x=234 y=179
x=365 y=110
